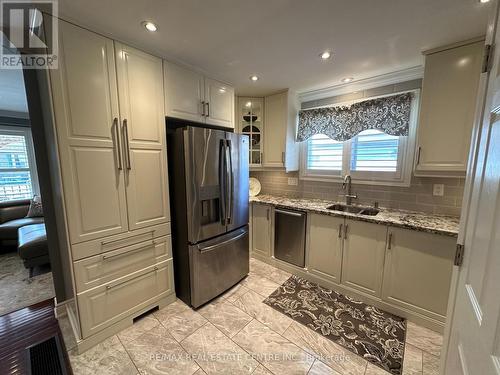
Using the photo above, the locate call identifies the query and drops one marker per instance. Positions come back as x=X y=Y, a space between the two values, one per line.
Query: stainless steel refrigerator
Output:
x=208 y=177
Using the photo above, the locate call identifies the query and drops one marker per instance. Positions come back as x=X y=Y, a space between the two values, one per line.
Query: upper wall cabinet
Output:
x=271 y=122
x=280 y=149
x=191 y=96
x=447 y=109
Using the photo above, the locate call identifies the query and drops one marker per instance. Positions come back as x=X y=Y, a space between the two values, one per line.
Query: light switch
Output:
x=293 y=181
x=438 y=190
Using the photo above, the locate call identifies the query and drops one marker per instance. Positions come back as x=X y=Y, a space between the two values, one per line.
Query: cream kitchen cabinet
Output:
x=109 y=135
x=280 y=148
x=363 y=256
x=191 y=96
x=140 y=93
x=324 y=246
x=417 y=272
x=448 y=103
x=262 y=229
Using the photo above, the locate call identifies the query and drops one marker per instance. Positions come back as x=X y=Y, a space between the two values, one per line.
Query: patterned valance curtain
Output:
x=390 y=114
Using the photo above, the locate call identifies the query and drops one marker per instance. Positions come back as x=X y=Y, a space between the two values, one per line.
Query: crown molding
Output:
x=399 y=76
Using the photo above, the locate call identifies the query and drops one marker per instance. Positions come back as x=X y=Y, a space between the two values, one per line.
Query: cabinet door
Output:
x=325 y=236
x=86 y=116
x=276 y=118
x=417 y=273
x=261 y=229
x=220 y=103
x=449 y=90
x=363 y=258
x=143 y=128
x=184 y=92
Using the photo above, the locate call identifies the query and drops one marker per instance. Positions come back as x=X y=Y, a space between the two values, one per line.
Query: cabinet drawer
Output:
x=102 y=245
x=101 y=269
x=105 y=305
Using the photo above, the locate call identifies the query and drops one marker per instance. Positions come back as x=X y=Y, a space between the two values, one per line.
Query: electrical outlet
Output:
x=438 y=190
x=293 y=181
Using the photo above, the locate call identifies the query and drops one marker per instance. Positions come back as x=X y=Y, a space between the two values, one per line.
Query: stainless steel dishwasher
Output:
x=289 y=236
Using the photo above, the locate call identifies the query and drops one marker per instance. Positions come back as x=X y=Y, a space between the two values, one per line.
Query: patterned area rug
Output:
x=17 y=290
x=371 y=333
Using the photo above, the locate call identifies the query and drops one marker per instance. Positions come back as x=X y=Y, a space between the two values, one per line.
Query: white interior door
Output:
x=86 y=112
x=474 y=339
x=140 y=92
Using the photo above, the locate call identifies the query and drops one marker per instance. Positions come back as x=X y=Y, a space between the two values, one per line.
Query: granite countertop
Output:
x=424 y=222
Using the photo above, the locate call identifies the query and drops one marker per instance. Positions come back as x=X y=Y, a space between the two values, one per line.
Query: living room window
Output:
x=18 y=178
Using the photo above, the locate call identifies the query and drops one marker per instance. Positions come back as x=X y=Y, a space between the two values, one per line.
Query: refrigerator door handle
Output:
x=224 y=243
x=222 y=182
x=230 y=182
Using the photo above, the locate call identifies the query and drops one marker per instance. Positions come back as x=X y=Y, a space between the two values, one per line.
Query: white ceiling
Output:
x=279 y=40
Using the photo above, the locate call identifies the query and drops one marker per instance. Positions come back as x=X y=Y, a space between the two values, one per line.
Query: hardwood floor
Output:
x=22 y=328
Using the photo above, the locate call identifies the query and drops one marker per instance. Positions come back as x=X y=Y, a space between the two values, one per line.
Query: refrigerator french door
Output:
x=208 y=173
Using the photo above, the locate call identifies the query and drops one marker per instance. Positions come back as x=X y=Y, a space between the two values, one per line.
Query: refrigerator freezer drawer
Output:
x=218 y=264
x=289 y=236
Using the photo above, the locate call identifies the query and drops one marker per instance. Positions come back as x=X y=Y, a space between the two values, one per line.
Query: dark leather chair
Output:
x=32 y=246
x=12 y=217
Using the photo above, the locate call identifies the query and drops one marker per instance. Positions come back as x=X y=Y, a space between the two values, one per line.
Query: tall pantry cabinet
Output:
x=110 y=127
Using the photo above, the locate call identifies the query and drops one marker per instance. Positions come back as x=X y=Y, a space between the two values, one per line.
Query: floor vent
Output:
x=46 y=357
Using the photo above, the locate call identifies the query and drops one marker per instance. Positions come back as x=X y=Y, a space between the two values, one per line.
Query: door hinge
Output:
x=459 y=255
x=486 y=58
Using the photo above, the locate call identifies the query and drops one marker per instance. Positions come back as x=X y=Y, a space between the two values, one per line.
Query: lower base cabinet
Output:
x=363 y=259
x=325 y=246
x=261 y=229
x=417 y=271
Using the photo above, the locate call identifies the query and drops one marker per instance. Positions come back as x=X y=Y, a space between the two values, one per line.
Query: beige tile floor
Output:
x=238 y=334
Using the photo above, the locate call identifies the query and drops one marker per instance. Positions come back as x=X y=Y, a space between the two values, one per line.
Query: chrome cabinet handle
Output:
x=345 y=231
x=106 y=257
x=104 y=243
x=108 y=287
x=208 y=109
x=419 y=152
x=267 y=214
x=389 y=242
x=203 y=108
x=283 y=157
x=340 y=230
x=117 y=140
x=127 y=146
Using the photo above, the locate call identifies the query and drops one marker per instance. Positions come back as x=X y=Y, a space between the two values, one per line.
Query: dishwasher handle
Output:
x=296 y=214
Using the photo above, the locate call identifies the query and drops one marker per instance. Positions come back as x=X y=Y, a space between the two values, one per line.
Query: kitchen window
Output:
x=17 y=164
x=370 y=157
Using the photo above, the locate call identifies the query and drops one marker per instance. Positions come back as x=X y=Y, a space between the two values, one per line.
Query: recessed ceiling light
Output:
x=484 y=1
x=325 y=55
x=222 y=90
x=347 y=80
x=254 y=78
x=150 y=26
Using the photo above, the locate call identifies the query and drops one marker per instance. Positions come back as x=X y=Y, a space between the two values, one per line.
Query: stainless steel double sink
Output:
x=359 y=210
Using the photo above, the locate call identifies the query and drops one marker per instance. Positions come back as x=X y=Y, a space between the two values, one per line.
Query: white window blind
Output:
x=15 y=175
x=374 y=151
x=323 y=153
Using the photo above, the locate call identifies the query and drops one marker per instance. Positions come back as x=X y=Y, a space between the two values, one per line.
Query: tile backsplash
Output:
x=417 y=197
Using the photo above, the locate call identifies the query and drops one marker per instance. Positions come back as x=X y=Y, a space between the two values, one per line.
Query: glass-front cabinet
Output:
x=251 y=122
